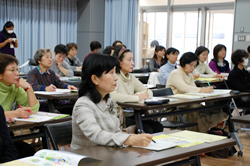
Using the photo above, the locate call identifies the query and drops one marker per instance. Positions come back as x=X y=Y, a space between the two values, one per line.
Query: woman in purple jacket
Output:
x=218 y=64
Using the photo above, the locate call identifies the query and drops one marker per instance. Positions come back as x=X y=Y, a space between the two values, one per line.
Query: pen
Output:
x=208 y=83
x=147 y=90
x=141 y=132
x=22 y=107
x=153 y=141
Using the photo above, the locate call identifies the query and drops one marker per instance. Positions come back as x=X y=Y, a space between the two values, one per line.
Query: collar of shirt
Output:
x=40 y=71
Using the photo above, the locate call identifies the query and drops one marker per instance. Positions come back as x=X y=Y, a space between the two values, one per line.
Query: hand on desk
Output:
x=23 y=112
x=142 y=140
x=218 y=76
x=51 y=88
x=196 y=76
x=143 y=96
x=207 y=89
x=72 y=87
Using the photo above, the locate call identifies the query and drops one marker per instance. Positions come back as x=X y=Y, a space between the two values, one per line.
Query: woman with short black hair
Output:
x=203 y=70
x=94 y=119
x=8 y=39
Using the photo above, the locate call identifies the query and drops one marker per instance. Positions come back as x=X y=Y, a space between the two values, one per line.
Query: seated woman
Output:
x=42 y=78
x=94 y=118
x=71 y=58
x=130 y=89
x=8 y=150
x=15 y=89
x=171 y=58
x=158 y=59
x=182 y=81
x=239 y=78
x=203 y=69
x=218 y=64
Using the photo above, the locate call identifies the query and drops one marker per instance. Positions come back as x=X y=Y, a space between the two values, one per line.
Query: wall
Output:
x=90 y=25
x=241 y=20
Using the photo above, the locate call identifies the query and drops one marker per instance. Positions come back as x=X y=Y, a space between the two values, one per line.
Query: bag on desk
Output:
x=222 y=153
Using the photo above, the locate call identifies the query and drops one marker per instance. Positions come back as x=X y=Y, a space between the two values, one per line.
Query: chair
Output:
x=32 y=62
x=172 y=124
x=59 y=133
x=159 y=86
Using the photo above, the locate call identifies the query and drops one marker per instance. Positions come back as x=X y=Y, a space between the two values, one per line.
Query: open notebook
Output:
x=48 y=157
x=58 y=91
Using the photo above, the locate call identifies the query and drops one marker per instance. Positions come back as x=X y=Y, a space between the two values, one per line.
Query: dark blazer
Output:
x=8 y=150
x=239 y=80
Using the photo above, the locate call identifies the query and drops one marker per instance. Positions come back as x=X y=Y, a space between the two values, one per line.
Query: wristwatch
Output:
x=27 y=88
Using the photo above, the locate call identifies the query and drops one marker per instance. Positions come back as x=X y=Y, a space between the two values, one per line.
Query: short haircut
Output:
x=238 y=55
x=39 y=54
x=95 y=45
x=200 y=49
x=158 y=48
x=108 y=50
x=5 y=60
x=248 y=49
x=115 y=43
x=171 y=50
x=60 y=48
x=187 y=58
x=96 y=64
x=71 y=45
x=154 y=43
x=217 y=48
x=120 y=55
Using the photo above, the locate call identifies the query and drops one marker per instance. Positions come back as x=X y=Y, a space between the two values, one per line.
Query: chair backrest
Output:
x=141 y=70
x=59 y=133
x=162 y=92
x=159 y=86
x=32 y=62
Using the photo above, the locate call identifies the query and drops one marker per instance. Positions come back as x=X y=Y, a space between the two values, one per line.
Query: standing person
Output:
x=8 y=150
x=95 y=47
x=130 y=89
x=8 y=39
x=203 y=69
x=94 y=119
x=171 y=58
x=158 y=59
x=71 y=58
x=218 y=64
x=59 y=66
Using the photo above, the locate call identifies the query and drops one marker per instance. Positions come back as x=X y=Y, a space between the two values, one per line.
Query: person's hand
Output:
x=72 y=87
x=59 y=63
x=142 y=140
x=57 y=75
x=9 y=40
x=16 y=41
x=24 y=112
x=196 y=76
x=143 y=96
x=22 y=83
x=207 y=89
x=50 y=88
x=79 y=68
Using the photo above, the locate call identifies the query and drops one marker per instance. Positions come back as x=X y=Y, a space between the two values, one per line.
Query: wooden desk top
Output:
x=113 y=156
x=215 y=82
x=241 y=119
x=180 y=102
x=24 y=125
x=65 y=96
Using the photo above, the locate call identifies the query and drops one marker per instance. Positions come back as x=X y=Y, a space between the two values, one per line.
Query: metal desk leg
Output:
x=51 y=106
x=232 y=131
x=138 y=122
x=44 y=138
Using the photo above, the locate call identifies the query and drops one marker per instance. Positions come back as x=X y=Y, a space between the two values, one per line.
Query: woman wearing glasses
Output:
x=15 y=89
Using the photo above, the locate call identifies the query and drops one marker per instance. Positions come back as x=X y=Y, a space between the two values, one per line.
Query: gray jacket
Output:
x=96 y=124
x=76 y=62
x=65 y=65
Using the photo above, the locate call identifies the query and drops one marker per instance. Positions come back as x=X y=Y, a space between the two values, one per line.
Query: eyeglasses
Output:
x=16 y=70
x=192 y=65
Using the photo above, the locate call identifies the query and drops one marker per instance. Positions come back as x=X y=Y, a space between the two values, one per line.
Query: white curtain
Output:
x=40 y=24
x=121 y=18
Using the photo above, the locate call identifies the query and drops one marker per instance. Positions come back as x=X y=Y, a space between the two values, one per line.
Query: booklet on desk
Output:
x=58 y=91
x=48 y=157
x=41 y=117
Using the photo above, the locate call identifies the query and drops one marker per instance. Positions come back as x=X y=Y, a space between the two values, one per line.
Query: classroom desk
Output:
x=40 y=125
x=77 y=72
x=201 y=83
x=245 y=119
x=114 y=156
x=72 y=80
x=139 y=107
x=53 y=98
x=143 y=77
